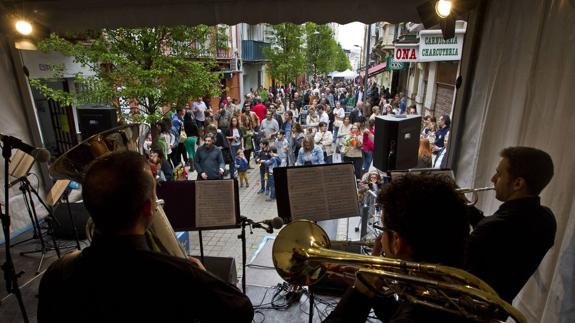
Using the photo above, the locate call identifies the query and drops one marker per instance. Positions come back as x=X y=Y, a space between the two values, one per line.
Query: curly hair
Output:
x=429 y=214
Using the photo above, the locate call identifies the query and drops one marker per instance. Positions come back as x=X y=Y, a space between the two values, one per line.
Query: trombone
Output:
x=302 y=257
x=474 y=192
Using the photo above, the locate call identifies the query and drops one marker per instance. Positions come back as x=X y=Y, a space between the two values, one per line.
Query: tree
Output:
x=341 y=62
x=319 y=48
x=287 y=60
x=156 y=66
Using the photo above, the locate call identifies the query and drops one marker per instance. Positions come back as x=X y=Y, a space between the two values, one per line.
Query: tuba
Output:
x=74 y=163
x=302 y=257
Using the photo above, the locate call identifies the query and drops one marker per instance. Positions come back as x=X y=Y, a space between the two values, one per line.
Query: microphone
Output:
x=42 y=155
x=269 y=225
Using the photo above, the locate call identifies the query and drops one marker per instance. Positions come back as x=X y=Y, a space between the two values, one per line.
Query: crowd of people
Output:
x=325 y=122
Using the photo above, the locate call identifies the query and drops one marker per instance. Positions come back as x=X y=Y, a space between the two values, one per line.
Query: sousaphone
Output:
x=74 y=164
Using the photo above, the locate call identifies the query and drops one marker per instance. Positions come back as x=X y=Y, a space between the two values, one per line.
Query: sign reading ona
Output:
x=432 y=47
x=406 y=53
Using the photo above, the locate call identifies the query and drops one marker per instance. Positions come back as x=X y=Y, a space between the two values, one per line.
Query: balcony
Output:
x=252 y=51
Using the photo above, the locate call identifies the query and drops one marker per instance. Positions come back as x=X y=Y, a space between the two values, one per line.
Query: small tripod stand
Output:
x=27 y=191
x=10 y=275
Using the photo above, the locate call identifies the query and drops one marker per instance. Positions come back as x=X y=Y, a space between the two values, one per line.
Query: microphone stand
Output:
x=244 y=222
x=10 y=275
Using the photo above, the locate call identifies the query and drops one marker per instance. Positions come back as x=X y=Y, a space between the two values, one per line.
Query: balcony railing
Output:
x=224 y=53
x=252 y=50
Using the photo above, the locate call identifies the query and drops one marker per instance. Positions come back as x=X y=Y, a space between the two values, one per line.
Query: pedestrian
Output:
x=273 y=162
x=209 y=160
x=241 y=164
x=352 y=149
x=324 y=139
x=235 y=138
x=309 y=153
x=262 y=156
x=282 y=146
x=368 y=145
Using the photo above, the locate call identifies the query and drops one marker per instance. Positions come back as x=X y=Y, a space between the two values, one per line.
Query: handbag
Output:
x=183 y=137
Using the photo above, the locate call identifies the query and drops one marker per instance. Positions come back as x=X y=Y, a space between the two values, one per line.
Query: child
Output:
x=242 y=166
x=270 y=164
x=282 y=145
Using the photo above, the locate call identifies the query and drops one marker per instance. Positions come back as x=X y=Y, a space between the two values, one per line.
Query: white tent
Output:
x=347 y=74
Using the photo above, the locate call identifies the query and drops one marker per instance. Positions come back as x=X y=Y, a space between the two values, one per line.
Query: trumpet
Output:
x=302 y=257
x=474 y=192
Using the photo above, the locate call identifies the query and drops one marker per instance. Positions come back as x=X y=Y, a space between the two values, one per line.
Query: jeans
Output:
x=233 y=151
x=262 y=178
x=335 y=131
x=271 y=186
x=367 y=159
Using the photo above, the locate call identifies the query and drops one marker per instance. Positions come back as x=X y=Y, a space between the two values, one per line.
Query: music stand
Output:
x=301 y=194
x=217 y=205
x=59 y=191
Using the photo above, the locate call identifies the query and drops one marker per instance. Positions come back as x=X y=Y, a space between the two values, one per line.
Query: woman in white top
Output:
x=339 y=115
x=312 y=120
x=294 y=110
x=343 y=130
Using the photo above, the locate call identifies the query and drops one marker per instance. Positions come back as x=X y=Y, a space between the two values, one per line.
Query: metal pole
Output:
x=366 y=63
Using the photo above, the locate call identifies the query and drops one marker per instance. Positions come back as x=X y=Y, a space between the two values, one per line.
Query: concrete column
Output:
x=431 y=86
x=420 y=89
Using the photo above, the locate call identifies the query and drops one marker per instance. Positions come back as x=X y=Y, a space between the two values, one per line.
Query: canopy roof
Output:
x=74 y=15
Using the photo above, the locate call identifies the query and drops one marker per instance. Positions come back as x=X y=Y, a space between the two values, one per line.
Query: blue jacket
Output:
x=316 y=156
x=241 y=164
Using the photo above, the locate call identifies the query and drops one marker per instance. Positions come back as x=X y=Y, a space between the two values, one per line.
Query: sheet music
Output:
x=322 y=193
x=215 y=203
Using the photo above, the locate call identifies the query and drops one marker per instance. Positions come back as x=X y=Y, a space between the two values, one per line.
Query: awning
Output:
x=74 y=15
x=374 y=70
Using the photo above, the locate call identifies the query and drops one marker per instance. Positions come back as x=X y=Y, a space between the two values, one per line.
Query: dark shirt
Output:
x=440 y=136
x=118 y=279
x=506 y=248
x=354 y=307
x=354 y=116
x=209 y=161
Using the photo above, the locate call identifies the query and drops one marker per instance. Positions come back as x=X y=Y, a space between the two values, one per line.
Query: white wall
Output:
x=14 y=123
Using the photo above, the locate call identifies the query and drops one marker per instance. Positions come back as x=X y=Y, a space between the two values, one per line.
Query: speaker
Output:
x=95 y=119
x=396 y=142
x=222 y=267
x=63 y=227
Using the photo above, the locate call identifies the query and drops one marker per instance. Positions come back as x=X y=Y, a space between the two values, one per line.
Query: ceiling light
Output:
x=443 y=8
x=24 y=27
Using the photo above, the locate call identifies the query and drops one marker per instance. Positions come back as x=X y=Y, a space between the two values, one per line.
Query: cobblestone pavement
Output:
x=225 y=243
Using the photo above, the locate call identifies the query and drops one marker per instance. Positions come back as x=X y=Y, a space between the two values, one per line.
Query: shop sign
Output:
x=406 y=53
x=394 y=65
x=433 y=48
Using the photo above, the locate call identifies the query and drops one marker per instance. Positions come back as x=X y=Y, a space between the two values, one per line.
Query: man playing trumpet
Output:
x=506 y=248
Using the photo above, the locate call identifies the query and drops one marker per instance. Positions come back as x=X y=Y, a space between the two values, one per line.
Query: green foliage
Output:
x=323 y=53
x=285 y=54
x=157 y=66
x=341 y=61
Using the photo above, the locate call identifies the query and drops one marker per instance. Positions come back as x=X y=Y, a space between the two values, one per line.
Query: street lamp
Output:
x=315 y=34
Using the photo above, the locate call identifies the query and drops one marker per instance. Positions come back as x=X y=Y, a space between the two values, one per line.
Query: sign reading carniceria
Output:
x=433 y=48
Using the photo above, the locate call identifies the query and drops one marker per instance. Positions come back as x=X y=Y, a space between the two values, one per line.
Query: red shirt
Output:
x=367 y=143
x=260 y=111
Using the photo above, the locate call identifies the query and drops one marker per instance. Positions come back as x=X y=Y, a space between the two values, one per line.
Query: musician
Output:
x=413 y=231
x=118 y=278
x=506 y=248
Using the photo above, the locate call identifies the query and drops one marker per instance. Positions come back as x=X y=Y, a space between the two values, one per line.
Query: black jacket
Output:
x=209 y=161
x=119 y=279
x=506 y=248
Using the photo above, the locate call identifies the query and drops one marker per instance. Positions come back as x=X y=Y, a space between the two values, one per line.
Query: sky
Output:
x=351 y=34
